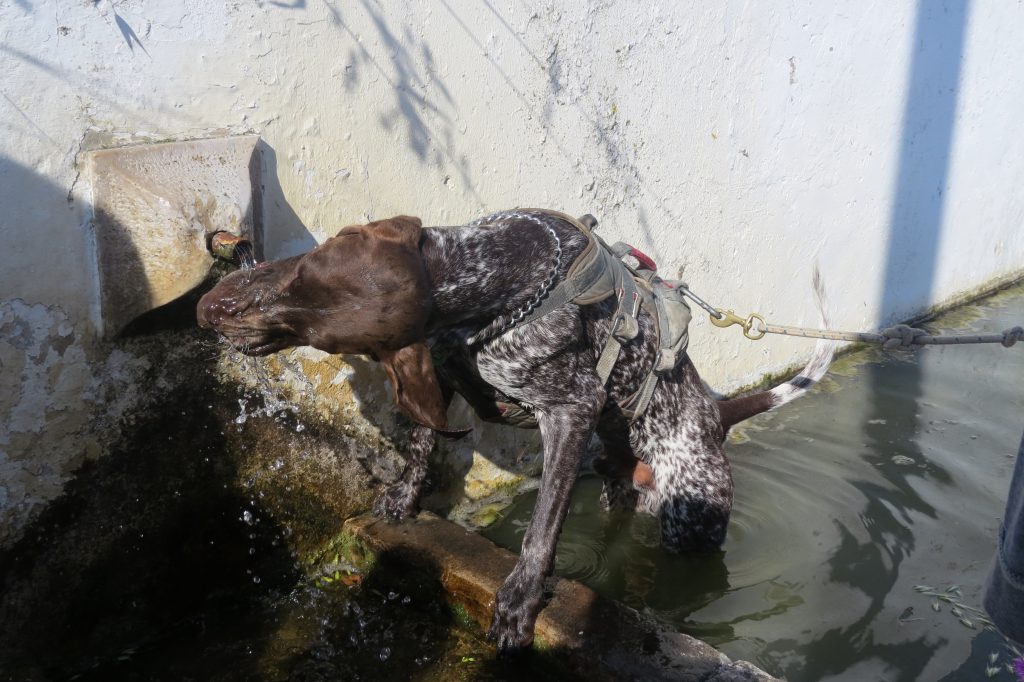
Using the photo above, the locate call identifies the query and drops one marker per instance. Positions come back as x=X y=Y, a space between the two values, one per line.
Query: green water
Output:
x=892 y=474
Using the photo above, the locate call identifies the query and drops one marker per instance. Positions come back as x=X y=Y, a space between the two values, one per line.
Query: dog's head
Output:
x=364 y=291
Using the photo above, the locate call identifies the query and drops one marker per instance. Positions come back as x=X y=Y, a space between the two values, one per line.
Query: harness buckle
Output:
x=629 y=326
x=665 y=360
x=627 y=319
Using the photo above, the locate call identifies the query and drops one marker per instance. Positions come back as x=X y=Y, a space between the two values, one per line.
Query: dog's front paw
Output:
x=397 y=502
x=515 y=613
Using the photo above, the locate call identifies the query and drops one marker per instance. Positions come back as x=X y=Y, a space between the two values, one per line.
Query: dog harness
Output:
x=619 y=270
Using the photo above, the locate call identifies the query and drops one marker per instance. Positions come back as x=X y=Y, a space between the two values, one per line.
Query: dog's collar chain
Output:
x=494 y=329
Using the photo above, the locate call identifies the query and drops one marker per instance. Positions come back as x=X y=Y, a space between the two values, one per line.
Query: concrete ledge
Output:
x=600 y=639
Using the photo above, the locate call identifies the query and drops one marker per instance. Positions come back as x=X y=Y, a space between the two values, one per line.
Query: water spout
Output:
x=233 y=248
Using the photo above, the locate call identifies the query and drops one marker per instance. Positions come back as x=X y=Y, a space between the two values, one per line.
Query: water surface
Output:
x=891 y=475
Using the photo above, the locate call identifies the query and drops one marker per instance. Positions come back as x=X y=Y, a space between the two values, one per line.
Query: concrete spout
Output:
x=156 y=210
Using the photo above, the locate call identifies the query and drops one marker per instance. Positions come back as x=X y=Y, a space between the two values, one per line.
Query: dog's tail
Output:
x=736 y=410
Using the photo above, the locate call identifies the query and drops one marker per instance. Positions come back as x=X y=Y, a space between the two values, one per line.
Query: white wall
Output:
x=736 y=142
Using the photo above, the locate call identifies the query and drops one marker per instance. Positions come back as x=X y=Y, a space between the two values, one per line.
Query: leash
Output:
x=899 y=336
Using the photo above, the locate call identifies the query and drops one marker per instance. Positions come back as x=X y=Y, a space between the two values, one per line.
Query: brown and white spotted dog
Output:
x=413 y=297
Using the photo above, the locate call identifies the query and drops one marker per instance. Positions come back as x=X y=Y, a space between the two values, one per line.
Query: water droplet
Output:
x=385 y=653
x=247 y=516
x=256 y=579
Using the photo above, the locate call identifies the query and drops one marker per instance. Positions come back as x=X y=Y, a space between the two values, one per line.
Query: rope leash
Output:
x=898 y=336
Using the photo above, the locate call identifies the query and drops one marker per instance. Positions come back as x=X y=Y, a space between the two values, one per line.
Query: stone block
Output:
x=155 y=205
x=599 y=639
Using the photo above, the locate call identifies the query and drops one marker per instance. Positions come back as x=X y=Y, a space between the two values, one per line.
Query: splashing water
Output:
x=245 y=255
x=267 y=399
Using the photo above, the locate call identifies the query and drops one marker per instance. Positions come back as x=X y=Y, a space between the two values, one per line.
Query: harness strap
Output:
x=591 y=277
x=598 y=272
x=636 y=404
x=624 y=326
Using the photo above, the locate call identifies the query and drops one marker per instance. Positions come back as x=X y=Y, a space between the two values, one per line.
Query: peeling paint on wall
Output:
x=56 y=402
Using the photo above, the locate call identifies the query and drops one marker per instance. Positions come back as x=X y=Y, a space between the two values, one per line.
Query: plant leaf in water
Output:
x=923 y=588
x=967 y=623
x=939 y=595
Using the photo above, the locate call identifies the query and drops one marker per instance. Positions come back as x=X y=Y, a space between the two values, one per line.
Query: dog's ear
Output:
x=417 y=392
x=402 y=229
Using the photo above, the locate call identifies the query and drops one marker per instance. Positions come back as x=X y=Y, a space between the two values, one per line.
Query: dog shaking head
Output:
x=364 y=291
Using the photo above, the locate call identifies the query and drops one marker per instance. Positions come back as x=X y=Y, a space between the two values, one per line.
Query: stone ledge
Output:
x=601 y=639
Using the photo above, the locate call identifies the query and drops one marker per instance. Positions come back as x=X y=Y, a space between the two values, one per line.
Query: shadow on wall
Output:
x=40 y=235
x=915 y=225
x=915 y=232
x=45 y=344
x=555 y=73
x=284 y=233
x=64 y=586
x=426 y=108
x=412 y=79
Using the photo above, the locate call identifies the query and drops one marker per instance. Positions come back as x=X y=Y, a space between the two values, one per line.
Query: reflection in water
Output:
x=871 y=563
x=893 y=474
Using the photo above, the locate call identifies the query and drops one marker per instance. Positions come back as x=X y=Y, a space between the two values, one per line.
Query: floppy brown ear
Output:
x=403 y=229
x=417 y=392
